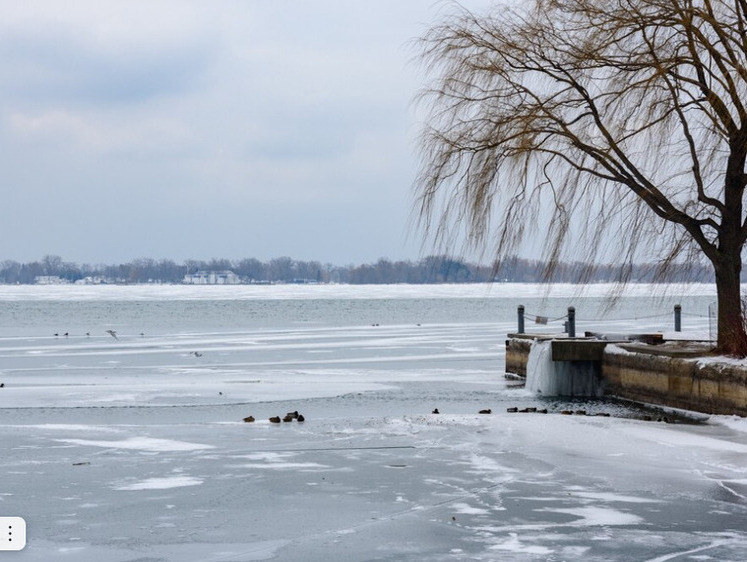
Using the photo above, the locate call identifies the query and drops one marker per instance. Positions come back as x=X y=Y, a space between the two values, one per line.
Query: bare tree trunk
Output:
x=732 y=338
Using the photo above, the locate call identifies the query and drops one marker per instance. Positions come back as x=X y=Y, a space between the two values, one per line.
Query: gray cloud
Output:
x=57 y=66
x=195 y=129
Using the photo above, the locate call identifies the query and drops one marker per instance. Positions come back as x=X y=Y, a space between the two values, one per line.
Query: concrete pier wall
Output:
x=659 y=376
x=708 y=386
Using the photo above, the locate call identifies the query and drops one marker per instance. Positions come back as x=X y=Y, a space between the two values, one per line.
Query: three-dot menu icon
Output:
x=12 y=533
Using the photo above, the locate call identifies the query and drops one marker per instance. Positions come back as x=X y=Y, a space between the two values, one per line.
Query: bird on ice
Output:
x=112 y=333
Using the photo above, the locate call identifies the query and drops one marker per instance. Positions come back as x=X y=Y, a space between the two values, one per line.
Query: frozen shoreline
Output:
x=170 y=484
x=134 y=448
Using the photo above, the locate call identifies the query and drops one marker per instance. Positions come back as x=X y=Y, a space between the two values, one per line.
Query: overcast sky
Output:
x=178 y=129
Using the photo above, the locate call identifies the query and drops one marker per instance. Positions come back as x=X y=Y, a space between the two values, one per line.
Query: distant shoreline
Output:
x=52 y=270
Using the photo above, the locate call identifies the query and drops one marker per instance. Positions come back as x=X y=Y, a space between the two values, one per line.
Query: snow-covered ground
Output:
x=134 y=448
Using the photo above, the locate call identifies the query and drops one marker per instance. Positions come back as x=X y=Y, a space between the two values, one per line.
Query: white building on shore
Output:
x=94 y=280
x=212 y=278
x=50 y=280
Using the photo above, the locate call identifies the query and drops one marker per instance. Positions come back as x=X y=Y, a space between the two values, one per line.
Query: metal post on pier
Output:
x=677 y=318
x=521 y=318
x=571 y=322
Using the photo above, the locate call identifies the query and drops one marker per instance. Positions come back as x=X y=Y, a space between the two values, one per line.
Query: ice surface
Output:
x=140 y=444
x=161 y=483
x=340 y=292
x=135 y=449
x=596 y=515
x=514 y=544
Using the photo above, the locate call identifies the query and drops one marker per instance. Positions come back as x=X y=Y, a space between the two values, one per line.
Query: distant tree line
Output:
x=432 y=269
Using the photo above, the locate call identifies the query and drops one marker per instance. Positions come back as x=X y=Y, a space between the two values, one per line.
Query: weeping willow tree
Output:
x=593 y=122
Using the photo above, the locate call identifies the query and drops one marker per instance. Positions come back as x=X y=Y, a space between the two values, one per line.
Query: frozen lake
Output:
x=133 y=448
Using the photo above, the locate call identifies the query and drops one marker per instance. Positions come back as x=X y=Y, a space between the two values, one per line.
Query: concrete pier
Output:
x=680 y=375
x=686 y=378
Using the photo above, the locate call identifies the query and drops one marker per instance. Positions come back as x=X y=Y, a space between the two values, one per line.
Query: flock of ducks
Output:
x=534 y=410
x=289 y=417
